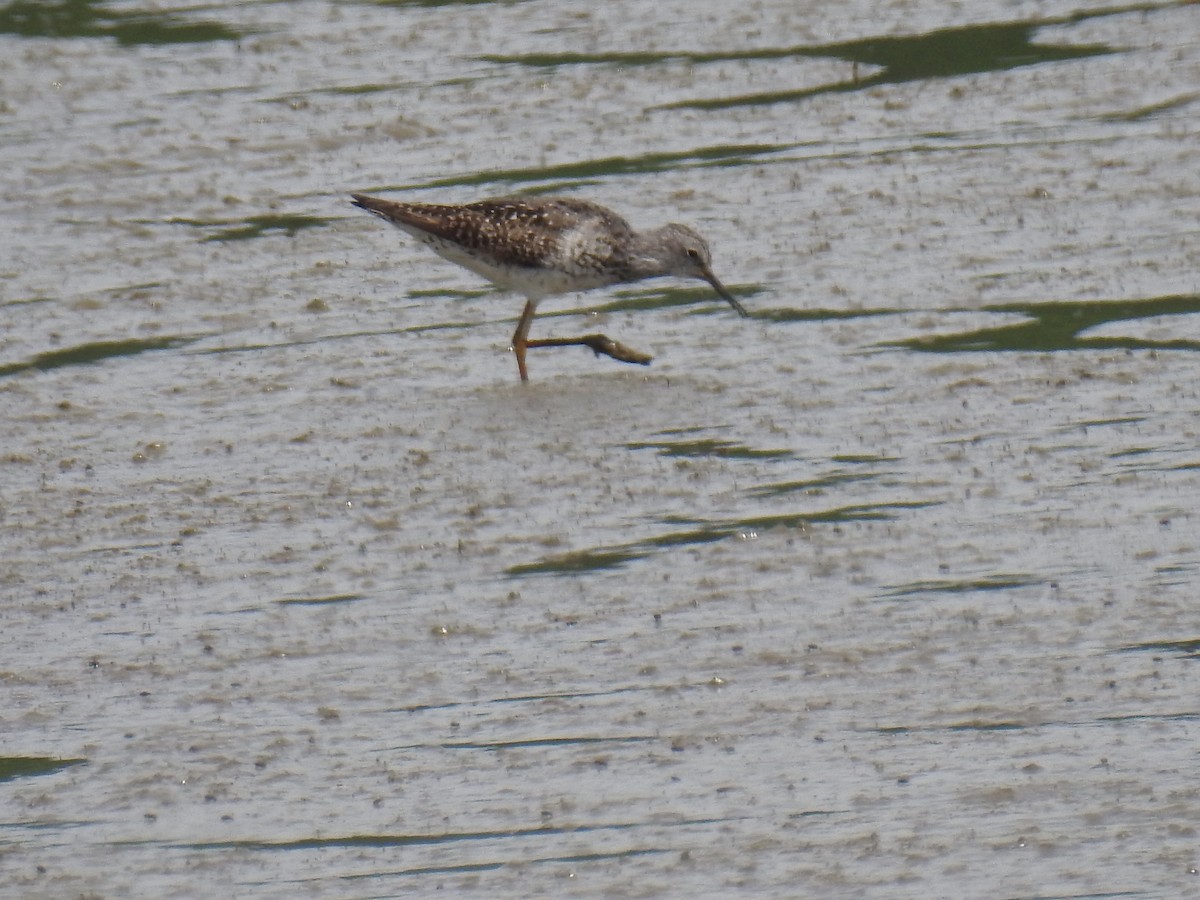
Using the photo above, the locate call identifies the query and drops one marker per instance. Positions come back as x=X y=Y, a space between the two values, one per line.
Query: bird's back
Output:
x=538 y=246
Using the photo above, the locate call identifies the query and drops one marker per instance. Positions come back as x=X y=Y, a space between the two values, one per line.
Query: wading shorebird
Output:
x=542 y=246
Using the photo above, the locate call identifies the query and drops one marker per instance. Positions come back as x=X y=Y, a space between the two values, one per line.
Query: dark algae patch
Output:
x=88 y=19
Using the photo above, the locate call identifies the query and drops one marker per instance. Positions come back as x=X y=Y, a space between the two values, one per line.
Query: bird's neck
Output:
x=648 y=253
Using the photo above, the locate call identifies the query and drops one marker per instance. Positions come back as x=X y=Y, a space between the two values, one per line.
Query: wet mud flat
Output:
x=886 y=590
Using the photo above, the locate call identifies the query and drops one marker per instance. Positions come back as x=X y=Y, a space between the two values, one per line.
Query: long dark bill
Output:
x=725 y=295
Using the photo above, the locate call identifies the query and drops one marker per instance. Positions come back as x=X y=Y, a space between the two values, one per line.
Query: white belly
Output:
x=535 y=283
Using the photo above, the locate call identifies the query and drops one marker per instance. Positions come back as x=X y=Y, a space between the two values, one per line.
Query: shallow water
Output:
x=887 y=591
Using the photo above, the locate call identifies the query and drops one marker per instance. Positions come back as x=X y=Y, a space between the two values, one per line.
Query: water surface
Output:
x=886 y=591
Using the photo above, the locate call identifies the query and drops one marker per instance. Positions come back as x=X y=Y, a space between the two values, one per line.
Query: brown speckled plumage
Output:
x=509 y=231
x=541 y=246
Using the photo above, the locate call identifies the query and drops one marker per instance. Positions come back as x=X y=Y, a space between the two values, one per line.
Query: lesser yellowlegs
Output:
x=541 y=246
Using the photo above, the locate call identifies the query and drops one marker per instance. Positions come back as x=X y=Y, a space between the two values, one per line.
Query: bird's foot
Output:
x=599 y=344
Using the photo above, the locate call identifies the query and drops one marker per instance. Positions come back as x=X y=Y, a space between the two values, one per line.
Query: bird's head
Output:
x=688 y=256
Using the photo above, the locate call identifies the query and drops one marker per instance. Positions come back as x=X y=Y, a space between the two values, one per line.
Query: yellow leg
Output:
x=599 y=343
x=520 y=338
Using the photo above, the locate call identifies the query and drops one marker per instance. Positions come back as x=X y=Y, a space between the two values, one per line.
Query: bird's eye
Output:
x=693 y=253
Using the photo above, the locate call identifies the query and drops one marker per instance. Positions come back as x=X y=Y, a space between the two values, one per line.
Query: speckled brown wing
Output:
x=509 y=231
x=571 y=234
